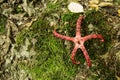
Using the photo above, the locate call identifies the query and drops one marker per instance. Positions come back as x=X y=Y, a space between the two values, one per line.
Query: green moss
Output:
x=3 y=20
x=117 y=1
x=53 y=7
x=96 y=18
x=68 y=22
x=52 y=60
x=18 y=9
x=96 y=48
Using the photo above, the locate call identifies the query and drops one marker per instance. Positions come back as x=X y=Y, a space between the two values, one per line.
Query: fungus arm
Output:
x=78 y=25
x=62 y=36
x=94 y=36
x=73 y=55
x=86 y=56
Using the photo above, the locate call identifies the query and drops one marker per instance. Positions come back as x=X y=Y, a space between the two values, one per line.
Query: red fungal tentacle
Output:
x=62 y=36
x=86 y=56
x=73 y=55
x=93 y=36
x=78 y=25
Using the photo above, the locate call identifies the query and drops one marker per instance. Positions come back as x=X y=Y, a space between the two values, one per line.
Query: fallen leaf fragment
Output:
x=94 y=6
x=118 y=12
x=94 y=1
x=104 y=4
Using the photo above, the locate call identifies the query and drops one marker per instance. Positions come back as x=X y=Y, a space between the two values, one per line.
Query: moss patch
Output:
x=52 y=60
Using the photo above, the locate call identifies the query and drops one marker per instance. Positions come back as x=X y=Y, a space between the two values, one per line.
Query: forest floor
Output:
x=30 y=51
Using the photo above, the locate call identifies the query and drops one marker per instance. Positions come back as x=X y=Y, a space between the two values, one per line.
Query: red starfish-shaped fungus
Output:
x=79 y=41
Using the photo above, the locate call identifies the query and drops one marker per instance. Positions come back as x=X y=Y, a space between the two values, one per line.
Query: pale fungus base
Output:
x=75 y=7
